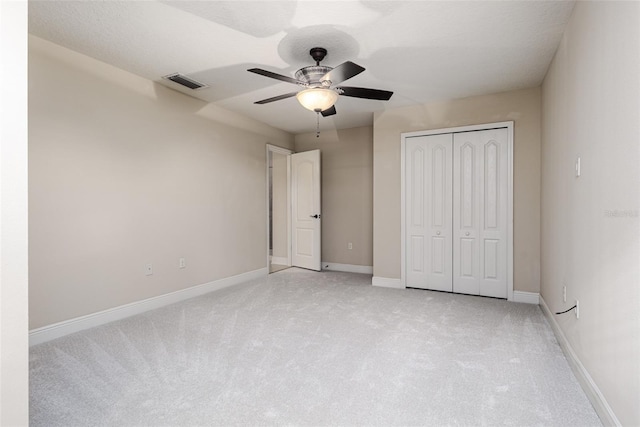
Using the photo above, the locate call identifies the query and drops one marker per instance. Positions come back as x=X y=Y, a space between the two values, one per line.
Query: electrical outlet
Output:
x=349 y=245
x=148 y=270
x=564 y=293
x=182 y=263
x=577 y=309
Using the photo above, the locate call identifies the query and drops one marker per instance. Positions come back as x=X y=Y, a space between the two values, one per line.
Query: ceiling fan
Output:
x=320 y=93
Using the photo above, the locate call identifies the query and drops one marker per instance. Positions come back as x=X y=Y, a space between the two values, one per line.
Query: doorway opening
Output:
x=278 y=200
x=293 y=209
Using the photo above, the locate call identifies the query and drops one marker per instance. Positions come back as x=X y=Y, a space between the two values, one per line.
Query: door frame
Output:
x=286 y=152
x=486 y=126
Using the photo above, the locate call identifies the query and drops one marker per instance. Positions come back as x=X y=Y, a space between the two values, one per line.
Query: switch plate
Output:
x=148 y=270
x=578 y=167
x=349 y=245
x=182 y=263
x=564 y=293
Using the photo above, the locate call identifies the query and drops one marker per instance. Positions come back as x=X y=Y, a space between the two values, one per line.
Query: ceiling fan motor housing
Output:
x=311 y=75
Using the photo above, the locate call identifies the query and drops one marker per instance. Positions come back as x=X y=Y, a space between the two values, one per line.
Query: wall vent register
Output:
x=185 y=81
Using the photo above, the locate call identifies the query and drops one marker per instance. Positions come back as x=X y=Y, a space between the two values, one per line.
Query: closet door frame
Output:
x=403 y=186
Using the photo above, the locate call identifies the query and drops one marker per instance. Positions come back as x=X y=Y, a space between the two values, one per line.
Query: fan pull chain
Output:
x=317 y=125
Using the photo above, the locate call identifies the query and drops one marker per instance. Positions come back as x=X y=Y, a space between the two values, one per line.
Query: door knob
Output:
x=437 y=233
x=315 y=216
x=466 y=234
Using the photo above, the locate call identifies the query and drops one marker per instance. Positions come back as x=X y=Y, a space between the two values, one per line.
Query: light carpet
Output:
x=307 y=348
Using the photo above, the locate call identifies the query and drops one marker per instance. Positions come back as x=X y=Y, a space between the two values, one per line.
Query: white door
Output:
x=305 y=206
x=428 y=165
x=480 y=175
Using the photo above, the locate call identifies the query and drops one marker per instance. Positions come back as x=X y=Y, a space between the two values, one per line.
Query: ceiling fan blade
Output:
x=274 y=75
x=342 y=72
x=329 y=111
x=362 y=92
x=276 y=98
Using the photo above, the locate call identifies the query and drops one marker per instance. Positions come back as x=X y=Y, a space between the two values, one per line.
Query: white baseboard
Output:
x=600 y=404
x=279 y=260
x=386 y=282
x=349 y=268
x=518 y=296
x=526 y=297
x=57 y=330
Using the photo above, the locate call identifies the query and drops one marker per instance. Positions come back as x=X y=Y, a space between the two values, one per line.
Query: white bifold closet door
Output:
x=428 y=187
x=456 y=212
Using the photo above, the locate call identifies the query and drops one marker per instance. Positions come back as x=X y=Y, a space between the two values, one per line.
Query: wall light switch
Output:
x=148 y=270
x=578 y=167
x=349 y=245
x=182 y=263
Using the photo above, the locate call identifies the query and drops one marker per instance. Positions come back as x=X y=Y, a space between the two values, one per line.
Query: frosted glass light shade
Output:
x=317 y=99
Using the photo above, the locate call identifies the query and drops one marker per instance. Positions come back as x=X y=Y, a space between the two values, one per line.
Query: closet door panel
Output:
x=428 y=209
x=493 y=212
x=416 y=157
x=466 y=200
x=480 y=213
x=417 y=254
x=439 y=256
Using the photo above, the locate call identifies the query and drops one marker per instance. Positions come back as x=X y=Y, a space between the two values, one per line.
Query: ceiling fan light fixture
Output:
x=317 y=99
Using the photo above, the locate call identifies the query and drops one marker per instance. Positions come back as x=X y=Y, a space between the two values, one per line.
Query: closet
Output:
x=457 y=220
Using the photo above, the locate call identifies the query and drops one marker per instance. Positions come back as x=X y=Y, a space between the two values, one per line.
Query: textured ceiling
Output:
x=421 y=50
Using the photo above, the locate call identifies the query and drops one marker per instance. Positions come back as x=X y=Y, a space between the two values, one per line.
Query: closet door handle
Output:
x=466 y=234
x=437 y=233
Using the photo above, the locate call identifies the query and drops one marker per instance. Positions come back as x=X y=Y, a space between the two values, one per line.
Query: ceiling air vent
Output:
x=185 y=81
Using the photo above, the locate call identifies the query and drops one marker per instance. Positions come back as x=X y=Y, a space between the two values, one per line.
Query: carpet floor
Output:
x=307 y=348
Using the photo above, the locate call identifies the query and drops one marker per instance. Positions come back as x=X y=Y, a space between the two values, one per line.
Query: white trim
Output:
x=526 y=297
x=403 y=137
x=289 y=219
x=457 y=129
x=280 y=260
x=403 y=201
x=14 y=215
x=600 y=404
x=279 y=150
x=348 y=268
x=286 y=152
x=57 y=330
x=510 y=145
x=386 y=282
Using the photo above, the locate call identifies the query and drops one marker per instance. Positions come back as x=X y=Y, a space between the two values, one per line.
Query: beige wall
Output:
x=14 y=351
x=347 y=190
x=280 y=205
x=523 y=107
x=591 y=105
x=124 y=172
